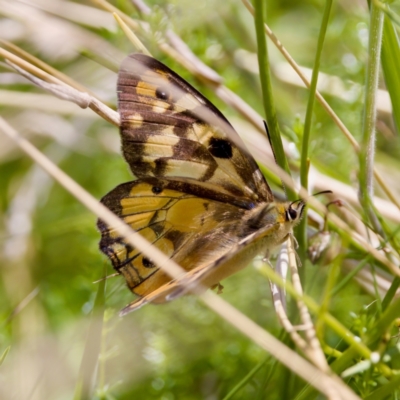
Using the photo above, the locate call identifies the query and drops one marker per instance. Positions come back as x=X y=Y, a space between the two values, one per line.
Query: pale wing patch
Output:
x=144 y=89
x=220 y=177
x=135 y=205
x=203 y=133
x=180 y=168
x=169 y=131
x=136 y=120
x=156 y=151
x=186 y=102
x=159 y=107
x=164 y=140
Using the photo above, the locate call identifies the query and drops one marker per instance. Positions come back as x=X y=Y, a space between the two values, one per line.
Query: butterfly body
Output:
x=199 y=196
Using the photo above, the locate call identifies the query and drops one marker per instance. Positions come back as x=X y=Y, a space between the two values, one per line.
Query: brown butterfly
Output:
x=198 y=196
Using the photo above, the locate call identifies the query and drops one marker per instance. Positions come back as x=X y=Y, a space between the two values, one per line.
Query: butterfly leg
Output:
x=218 y=287
x=296 y=246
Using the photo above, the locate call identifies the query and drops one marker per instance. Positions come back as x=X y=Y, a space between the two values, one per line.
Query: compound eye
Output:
x=292 y=214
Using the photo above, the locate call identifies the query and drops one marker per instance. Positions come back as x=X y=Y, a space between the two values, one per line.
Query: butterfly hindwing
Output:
x=169 y=130
x=192 y=231
x=204 y=276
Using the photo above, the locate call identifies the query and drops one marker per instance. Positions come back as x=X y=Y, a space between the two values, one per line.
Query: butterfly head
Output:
x=286 y=215
x=294 y=211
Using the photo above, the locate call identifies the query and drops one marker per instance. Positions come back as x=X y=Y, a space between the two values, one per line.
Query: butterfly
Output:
x=198 y=194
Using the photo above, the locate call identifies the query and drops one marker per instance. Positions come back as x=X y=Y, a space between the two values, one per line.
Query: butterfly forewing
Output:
x=169 y=130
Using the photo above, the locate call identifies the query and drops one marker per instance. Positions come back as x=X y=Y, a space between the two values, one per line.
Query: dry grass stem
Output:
x=314 y=351
x=278 y=294
x=131 y=36
x=24 y=55
x=65 y=92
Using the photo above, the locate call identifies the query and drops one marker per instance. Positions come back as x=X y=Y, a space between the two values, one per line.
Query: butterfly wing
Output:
x=196 y=184
x=170 y=131
x=192 y=231
x=205 y=276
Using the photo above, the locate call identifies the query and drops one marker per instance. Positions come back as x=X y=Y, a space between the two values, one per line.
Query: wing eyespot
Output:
x=220 y=148
x=156 y=189
x=162 y=94
x=147 y=263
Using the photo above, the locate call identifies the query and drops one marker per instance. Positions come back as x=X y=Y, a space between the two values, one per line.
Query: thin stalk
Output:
x=268 y=101
x=305 y=161
x=245 y=380
x=91 y=352
x=386 y=391
x=311 y=98
x=384 y=323
x=390 y=66
x=389 y=296
x=367 y=145
x=315 y=308
x=349 y=276
x=4 y=355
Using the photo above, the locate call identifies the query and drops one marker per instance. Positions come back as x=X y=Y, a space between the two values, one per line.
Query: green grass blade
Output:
x=268 y=101
x=385 y=391
x=4 y=355
x=311 y=98
x=367 y=145
x=390 y=66
x=245 y=380
x=305 y=162
x=83 y=388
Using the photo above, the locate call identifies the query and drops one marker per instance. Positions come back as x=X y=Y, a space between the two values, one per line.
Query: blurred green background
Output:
x=49 y=255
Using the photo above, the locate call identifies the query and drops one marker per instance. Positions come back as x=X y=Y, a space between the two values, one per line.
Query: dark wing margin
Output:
x=169 y=130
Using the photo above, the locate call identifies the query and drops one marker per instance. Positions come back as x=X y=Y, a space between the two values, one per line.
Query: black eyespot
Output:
x=220 y=148
x=147 y=263
x=162 y=94
x=292 y=214
x=156 y=189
